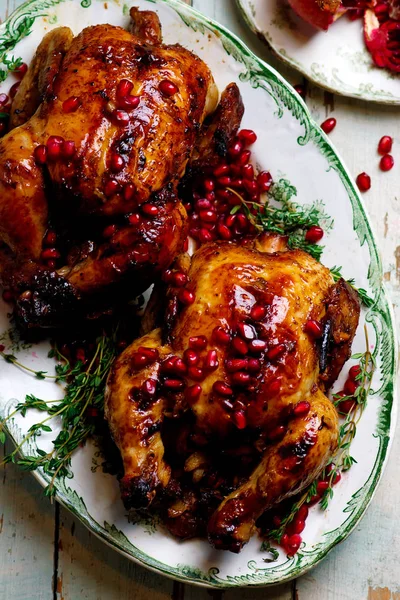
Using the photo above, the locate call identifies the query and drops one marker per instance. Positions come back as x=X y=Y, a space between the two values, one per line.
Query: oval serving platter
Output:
x=336 y=60
x=295 y=150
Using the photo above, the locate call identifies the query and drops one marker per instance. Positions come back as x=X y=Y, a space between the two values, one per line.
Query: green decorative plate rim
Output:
x=380 y=316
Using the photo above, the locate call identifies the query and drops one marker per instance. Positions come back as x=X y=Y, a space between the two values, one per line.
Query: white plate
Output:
x=290 y=145
x=336 y=59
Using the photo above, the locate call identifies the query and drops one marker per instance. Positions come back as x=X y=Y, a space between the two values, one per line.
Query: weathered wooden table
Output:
x=45 y=554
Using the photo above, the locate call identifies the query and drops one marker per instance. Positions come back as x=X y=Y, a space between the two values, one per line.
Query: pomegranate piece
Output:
x=382 y=41
x=318 y=13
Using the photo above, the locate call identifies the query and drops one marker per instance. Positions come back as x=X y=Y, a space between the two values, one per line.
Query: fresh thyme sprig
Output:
x=84 y=393
x=11 y=64
x=363 y=294
x=342 y=459
x=289 y=218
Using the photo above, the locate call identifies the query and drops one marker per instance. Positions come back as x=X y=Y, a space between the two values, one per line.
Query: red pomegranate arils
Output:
x=14 y=89
x=68 y=149
x=190 y=357
x=71 y=104
x=150 y=210
x=186 y=297
x=363 y=182
x=50 y=238
x=196 y=373
x=117 y=162
x=21 y=70
x=120 y=117
x=174 y=384
x=386 y=162
x=240 y=378
x=50 y=253
x=211 y=361
x=302 y=408
x=134 y=219
x=240 y=346
x=168 y=88
x=40 y=154
x=111 y=187
x=264 y=181
x=124 y=88
x=328 y=125
x=247 y=136
x=222 y=388
x=276 y=352
x=198 y=342
x=313 y=328
x=350 y=387
x=235 y=149
x=109 y=231
x=192 y=393
x=314 y=234
x=354 y=372
x=385 y=144
x=239 y=419
x=300 y=89
x=278 y=433
x=54 y=146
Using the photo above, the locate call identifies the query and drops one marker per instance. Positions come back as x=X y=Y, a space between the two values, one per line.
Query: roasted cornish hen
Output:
x=103 y=127
x=252 y=340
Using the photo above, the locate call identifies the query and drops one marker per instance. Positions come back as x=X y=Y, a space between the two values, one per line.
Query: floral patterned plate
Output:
x=295 y=150
x=336 y=60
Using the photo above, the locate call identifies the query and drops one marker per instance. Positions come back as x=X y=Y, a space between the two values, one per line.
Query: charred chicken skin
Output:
x=248 y=349
x=103 y=127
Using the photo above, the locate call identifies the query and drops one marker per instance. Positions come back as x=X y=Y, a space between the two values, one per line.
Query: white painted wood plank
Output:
x=26 y=536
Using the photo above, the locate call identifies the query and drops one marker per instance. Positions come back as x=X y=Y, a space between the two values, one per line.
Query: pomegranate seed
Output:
x=117 y=162
x=250 y=187
x=40 y=154
x=224 y=181
x=222 y=388
x=239 y=419
x=149 y=387
x=236 y=149
x=237 y=183
x=322 y=486
x=209 y=216
x=350 y=387
x=264 y=181
x=298 y=525
x=302 y=513
x=150 y=210
x=354 y=372
x=253 y=365
x=134 y=219
x=129 y=191
x=385 y=144
x=151 y=353
x=51 y=264
x=140 y=360
x=240 y=346
x=363 y=182
x=191 y=358
x=109 y=231
x=7 y=296
x=274 y=387
x=129 y=102
x=68 y=149
x=248 y=172
x=120 y=117
x=300 y=89
x=179 y=279
x=257 y=346
x=50 y=238
x=192 y=393
x=276 y=351
x=386 y=163
x=236 y=364
x=224 y=231
x=186 y=297
x=111 y=187
x=186 y=245
x=174 y=384
x=302 y=408
x=328 y=125
x=247 y=136
x=278 y=433
x=209 y=185
x=167 y=88
x=124 y=88
x=3 y=99
x=247 y=331
x=314 y=234
x=258 y=312
x=221 y=170
x=198 y=342
x=336 y=478
x=175 y=365
x=230 y=220
x=293 y=544
x=50 y=253
x=71 y=104
x=221 y=336
x=54 y=146
x=240 y=378
x=313 y=328
x=14 y=89
x=196 y=373
x=284 y=539
x=346 y=406
x=243 y=158
x=211 y=361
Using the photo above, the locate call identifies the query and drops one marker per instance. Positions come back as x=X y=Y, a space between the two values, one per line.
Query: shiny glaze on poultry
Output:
x=103 y=127
x=238 y=353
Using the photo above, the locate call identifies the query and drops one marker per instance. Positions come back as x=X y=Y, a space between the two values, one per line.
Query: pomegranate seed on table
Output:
x=243 y=158
x=40 y=154
x=224 y=181
x=224 y=231
x=209 y=185
x=363 y=182
x=247 y=136
x=328 y=125
x=129 y=102
x=313 y=328
x=209 y=216
x=258 y=312
x=350 y=387
x=198 y=342
x=386 y=162
x=322 y=486
x=117 y=162
x=314 y=234
x=221 y=336
x=235 y=149
x=71 y=104
x=253 y=365
x=168 y=88
x=346 y=406
x=264 y=181
x=354 y=372
x=303 y=512
x=293 y=544
x=248 y=172
x=385 y=144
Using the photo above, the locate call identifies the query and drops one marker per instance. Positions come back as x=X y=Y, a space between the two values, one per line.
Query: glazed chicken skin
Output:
x=238 y=350
x=102 y=129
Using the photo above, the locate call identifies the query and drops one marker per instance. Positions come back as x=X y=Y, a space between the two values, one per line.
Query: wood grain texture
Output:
x=38 y=542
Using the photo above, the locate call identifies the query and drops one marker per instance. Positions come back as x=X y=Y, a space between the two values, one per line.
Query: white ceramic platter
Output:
x=336 y=60
x=293 y=148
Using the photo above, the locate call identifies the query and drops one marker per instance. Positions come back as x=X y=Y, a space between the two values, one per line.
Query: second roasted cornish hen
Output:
x=238 y=353
x=103 y=127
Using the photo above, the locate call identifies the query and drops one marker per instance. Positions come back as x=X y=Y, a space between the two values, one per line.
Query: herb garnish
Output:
x=84 y=394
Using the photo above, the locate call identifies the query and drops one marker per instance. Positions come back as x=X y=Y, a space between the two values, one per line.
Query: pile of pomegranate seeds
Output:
x=386 y=162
